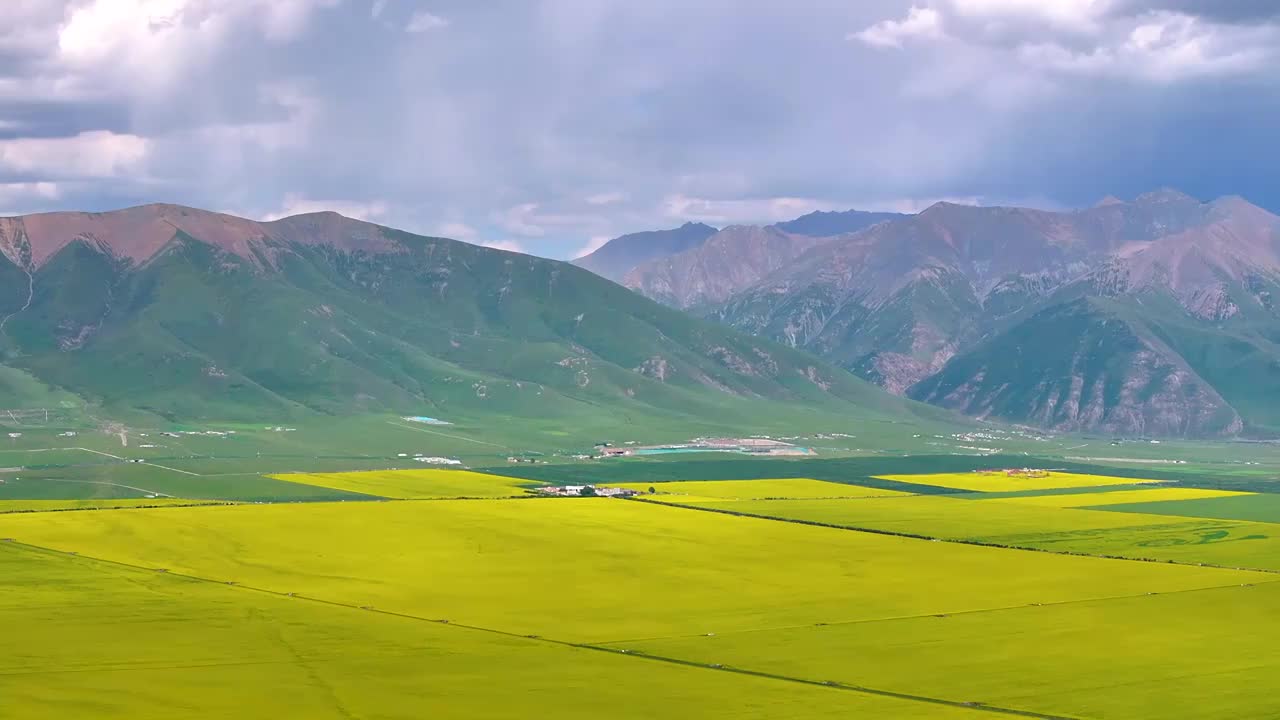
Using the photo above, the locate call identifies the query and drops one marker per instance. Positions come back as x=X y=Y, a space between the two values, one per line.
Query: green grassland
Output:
x=1255 y=507
x=753 y=490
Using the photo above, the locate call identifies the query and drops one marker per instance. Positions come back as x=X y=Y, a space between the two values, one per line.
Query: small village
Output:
x=748 y=446
x=586 y=491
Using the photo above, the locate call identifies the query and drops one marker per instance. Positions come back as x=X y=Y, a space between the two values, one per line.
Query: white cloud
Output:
x=1008 y=49
x=518 y=220
x=1165 y=48
x=42 y=190
x=299 y=204
x=920 y=22
x=594 y=244
x=96 y=154
x=423 y=21
x=25 y=198
x=527 y=220
x=606 y=198
x=748 y=211
x=136 y=45
x=456 y=231
x=1078 y=14
x=508 y=245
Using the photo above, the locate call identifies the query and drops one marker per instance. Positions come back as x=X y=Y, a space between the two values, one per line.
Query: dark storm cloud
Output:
x=1219 y=10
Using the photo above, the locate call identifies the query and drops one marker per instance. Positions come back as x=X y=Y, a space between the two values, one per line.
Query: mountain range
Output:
x=1151 y=317
x=175 y=313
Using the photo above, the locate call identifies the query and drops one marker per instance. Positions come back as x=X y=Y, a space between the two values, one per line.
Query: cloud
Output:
x=1075 y=14
x=1014 y=41
x=299 y=204
x=531 y=221
x=508 y=245
x=1165 y=48
x=423 y=21
x=594 y=244
x=741 y=211
x=920 y=22
x=578 y=130
x=24 y=198
x=43 y=190
x=456 y=231
x=98 y=154
x=136 y=45
x=606 y=198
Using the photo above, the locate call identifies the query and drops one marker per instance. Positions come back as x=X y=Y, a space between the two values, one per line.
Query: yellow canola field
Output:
x=1179 y=656
x=998 y=481
x=593 y=569
x=155 y=645
x=417 y=484
x=700 y=490
x=942 y=516
x=1117 y=497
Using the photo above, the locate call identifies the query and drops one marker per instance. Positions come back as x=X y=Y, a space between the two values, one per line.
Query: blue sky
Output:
x=550 y=126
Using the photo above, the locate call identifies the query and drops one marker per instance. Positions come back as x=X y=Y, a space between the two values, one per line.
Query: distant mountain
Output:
x=1156 y=316
x=737 y=257
x=172 y=312
x=826 y=224
x=622 y=254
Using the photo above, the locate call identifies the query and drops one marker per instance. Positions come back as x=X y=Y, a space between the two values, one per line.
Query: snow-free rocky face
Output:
x=946 y=305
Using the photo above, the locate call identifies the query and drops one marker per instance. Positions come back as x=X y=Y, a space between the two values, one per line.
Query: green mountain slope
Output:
x=1096 y=368
x=297 y=317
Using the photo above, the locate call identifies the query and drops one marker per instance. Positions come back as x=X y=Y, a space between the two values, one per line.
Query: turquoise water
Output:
x=428 y=420
x=669 y=451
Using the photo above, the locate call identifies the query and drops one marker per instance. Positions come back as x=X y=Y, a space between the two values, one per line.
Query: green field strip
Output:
x=1004 y=542
x=1260 y=507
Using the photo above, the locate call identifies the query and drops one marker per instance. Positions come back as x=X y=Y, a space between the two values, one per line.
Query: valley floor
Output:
x=459 y=594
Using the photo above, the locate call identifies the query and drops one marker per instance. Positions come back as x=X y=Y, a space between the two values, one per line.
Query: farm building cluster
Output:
x=586 y=491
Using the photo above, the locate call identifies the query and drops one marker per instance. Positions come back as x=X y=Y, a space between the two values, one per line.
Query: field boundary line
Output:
x=956 y=541
x=828 y=684
x=96 y=452
x=100 y=482
x=946 y=613
x=166 y=467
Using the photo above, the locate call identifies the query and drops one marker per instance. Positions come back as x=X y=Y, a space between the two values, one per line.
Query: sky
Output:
x=550 y=126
